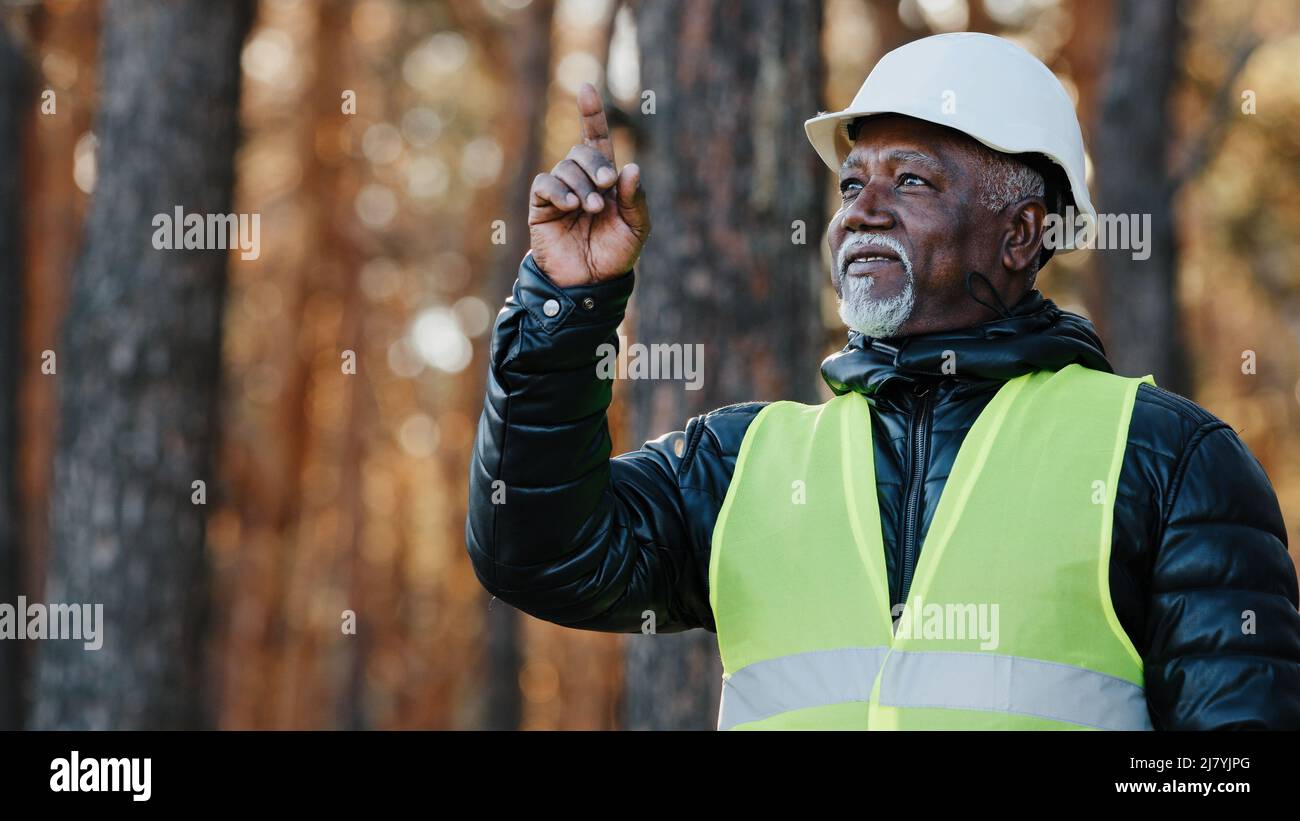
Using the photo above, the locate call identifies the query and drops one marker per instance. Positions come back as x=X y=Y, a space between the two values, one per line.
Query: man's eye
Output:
x=848 y=187
x=910 y=179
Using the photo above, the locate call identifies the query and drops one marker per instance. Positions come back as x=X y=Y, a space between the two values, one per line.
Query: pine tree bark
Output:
x=138 y=372
x=528 y=53
x=1140 y=316
x=737 y=198
x=14 y=98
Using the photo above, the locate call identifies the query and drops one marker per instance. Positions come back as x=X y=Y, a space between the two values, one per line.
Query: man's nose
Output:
x=866 y=212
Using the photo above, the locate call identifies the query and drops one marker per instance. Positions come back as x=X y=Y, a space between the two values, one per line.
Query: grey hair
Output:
x=1005 y=180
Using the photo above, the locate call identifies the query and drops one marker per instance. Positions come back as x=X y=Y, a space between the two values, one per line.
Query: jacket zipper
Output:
x=911 y=515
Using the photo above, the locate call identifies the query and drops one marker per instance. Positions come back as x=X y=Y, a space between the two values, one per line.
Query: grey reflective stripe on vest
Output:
x=962 y=681
x=815 y=679
x=1011 y=684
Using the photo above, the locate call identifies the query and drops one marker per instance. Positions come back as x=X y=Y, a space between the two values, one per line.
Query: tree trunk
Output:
x=1140 y=315
x=734 y=188
x=528 y=49
x=14 y=99
x=54 y=211
x=138 y=372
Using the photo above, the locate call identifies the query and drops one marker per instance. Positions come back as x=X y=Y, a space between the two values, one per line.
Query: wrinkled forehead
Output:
x=900 y=137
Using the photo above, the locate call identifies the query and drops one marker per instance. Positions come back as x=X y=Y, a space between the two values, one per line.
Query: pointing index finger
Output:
x=591 y=115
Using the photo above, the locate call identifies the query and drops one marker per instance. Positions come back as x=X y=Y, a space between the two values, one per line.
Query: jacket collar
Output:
x=1036 y=336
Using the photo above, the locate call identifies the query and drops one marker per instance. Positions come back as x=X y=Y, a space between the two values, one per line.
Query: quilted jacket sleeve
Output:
x=555 y=527
x=1223 y=630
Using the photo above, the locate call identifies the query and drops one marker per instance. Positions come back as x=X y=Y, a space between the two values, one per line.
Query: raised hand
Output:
x=587 y=220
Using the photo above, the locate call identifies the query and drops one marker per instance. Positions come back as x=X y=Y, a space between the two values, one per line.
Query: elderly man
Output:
x=985 y=528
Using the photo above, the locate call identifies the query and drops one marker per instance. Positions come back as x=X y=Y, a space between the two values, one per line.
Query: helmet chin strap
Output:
x=1000 y=309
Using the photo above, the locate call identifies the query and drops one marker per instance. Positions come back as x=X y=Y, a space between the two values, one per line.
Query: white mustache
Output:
x=860 y=241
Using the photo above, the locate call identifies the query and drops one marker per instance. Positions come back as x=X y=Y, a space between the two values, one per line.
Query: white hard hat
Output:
x=982 y=85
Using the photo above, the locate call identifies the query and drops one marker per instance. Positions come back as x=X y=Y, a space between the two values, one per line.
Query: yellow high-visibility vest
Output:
x=1008 y=623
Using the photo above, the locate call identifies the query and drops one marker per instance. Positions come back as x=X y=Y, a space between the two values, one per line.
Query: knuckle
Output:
x=590 y=158
x=575 y=176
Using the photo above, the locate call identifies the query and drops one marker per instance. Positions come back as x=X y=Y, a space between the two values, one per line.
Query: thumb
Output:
x=631 y=198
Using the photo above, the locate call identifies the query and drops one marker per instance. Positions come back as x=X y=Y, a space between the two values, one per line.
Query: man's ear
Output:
x=1023 y=240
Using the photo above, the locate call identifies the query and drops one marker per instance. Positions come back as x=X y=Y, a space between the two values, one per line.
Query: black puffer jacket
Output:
x=586 y=541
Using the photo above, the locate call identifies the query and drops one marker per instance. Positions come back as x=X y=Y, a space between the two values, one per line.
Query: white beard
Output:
x=873 y=316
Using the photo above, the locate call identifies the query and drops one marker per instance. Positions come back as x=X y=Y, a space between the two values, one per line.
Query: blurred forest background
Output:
x=382 y=229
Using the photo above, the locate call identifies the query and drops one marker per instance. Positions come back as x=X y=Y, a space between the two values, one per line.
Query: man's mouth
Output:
x=869 y=261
